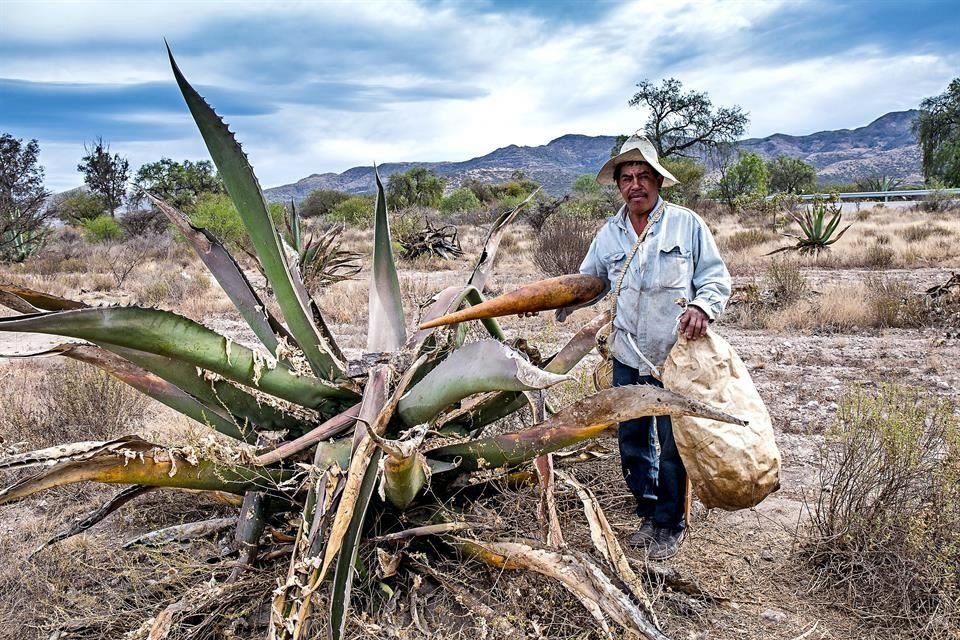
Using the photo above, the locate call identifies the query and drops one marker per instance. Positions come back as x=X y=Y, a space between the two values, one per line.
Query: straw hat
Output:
x=636 y=149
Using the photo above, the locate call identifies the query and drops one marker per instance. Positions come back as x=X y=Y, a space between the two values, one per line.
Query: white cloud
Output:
x=538 y=79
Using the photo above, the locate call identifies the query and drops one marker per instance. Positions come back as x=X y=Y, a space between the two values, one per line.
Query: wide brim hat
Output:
x=636 y=149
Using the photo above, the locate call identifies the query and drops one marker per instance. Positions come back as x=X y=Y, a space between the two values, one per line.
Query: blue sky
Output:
x=312 y=87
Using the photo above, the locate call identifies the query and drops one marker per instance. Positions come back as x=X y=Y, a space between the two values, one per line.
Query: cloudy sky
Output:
x=321 y=86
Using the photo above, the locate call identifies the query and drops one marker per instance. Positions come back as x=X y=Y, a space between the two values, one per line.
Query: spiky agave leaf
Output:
x=477 y=367
x=132 y=460
x=483 y=269
x=582 y=420
x=168 y=334
x=27 y=300
x=386 y=327
x=85 y=522
x=231 y=278
x=244 y=190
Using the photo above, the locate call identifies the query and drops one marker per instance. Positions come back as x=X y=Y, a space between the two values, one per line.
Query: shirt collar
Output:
x=621 y=217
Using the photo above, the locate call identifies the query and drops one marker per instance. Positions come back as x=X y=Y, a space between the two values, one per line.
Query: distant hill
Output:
x=886 y=146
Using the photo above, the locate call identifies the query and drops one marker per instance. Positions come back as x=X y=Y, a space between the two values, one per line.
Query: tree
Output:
x=23 y=219
x=77 y=205
x=791 y=175
x=938 y=133
x=684 y=123
x=106 y=175
x=416 y=187
x=321 y=202
x=689 y=173
x=179 y=183
x=586 y=185
x=461 y=199
x=747 y=176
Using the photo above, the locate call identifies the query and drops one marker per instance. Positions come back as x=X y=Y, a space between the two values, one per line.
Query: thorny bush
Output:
x=885 y=536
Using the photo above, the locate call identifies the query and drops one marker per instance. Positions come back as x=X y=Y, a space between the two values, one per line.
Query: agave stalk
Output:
x=364 y=430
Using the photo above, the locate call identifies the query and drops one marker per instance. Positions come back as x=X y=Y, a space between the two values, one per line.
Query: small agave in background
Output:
x=399 y=428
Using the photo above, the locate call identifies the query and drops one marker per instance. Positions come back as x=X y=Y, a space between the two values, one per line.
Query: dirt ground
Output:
x=744 y=562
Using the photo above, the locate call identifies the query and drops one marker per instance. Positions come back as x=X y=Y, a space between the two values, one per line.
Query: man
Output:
x=677 y=259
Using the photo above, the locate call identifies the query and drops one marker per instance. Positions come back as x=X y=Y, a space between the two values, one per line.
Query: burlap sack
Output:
x=730 y=467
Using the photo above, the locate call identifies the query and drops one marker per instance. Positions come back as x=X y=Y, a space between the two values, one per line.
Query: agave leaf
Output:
x=484 y=266
x=167 y=334
x=244 y=190
x=582 y=420
x=387 y=328
x=332 y=427
x=231 y=278
x=79 y=526
x=183 y=532
x=257 y=411
x=580 y=575
x=131 y=460
x=405 y=469
x=494 y=406
x=474 y=368
x=443 y=303
x=23 y=300
x=545 y=474
x=605 y=541
x=543 y=295
x=157 y=388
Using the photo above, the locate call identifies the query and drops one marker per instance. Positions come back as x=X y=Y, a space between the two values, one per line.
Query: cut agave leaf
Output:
x=544 y=295
x=474 y=368
x=387 y=328
x=244 y=190
x=580 y=421
x=131 y=460
x=29 y=301
x=167 y=334
x=159 y=389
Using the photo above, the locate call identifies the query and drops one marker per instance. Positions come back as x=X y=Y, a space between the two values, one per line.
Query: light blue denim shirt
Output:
x=679 y=259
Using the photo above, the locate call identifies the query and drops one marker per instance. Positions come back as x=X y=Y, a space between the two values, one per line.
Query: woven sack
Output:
x=730 y=467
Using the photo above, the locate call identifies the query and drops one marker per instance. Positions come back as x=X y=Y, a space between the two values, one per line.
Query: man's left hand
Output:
x=693 y=323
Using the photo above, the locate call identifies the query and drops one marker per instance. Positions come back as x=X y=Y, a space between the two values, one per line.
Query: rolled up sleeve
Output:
x=711 y=279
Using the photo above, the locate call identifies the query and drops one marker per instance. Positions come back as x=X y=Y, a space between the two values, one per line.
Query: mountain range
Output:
x=887 y=146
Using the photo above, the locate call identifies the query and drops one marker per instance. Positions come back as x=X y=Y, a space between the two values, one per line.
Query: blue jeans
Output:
x=660 y=486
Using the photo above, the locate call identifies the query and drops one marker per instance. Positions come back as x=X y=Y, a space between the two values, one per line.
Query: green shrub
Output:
x=215 y=213
x=321 y=202
x=356 y=211
x=586 y=184
x=78 y=205
x=102 y=229
x=461 y=199
x=689 y=173
x=884 y=537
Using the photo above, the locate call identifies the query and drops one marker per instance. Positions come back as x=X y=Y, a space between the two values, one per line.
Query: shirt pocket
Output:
x=674 y=267
x=614 y=264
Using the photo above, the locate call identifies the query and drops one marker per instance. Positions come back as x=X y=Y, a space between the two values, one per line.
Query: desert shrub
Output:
x=586 y=184
x=102 y=229
x=885 y=534
x=879 y=255
x=72 y=402
x=461 y=199
x=938 y=199
x=894 y=304
x=356 y=211
x=785 y=281
x=561 y=245
x=143 y=222
x=321 y=202
x=920 y=232
x=689 y=172
x=745 y=239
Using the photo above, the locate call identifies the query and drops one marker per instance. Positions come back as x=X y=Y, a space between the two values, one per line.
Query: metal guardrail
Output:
x=873 y=195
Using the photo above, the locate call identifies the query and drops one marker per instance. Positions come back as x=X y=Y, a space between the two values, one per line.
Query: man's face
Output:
x=639 y=185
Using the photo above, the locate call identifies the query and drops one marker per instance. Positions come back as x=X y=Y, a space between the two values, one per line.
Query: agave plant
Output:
x=819 y=233
x=399 y=427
